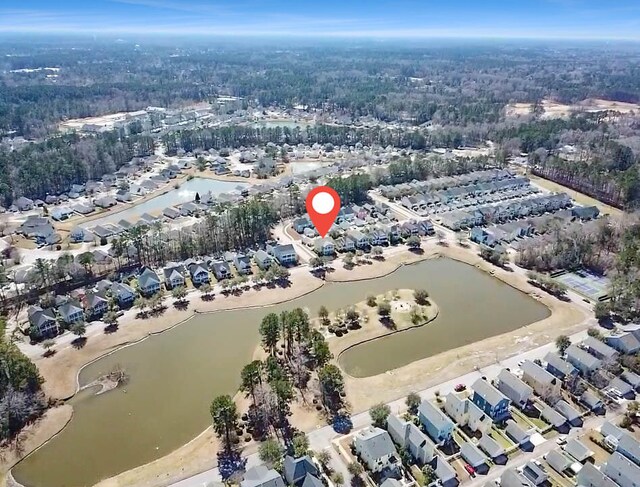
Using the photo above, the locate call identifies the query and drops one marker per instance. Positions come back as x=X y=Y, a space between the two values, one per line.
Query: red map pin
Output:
x=323 y=205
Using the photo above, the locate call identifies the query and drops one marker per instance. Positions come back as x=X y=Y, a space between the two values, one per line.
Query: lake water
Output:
x=175 y=375
x=186 y=192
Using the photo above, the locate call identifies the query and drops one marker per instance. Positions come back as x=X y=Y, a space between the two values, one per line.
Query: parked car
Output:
x=470 y=469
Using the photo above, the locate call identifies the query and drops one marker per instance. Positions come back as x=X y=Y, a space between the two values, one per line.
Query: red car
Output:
x=470 y=469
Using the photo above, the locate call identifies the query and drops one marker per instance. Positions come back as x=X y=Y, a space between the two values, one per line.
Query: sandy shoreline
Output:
x=199 y=454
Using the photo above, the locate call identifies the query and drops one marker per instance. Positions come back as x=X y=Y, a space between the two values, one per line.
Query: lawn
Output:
x=501 y=439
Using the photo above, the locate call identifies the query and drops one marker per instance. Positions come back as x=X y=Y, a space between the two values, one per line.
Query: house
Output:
x=544 y=383
x=629 y=447
x=300 y=224
x=359 y=239
x=590 y=476
x=242 y=263
x=622 y=471
x=220 y=269
x=425 y=227
x=263 y=260
x=631 y=378
x=410 y=228
x=512 y=478
x=437 y=425
x=284 y=254
x=621 y=387
x=148 y=281
x=581 y=360
x=123 y=196
x=173 y=276
x=585 y=212
x=376 y=449
x=344 y=244
x=627 y=343
x=456 y=408
x=553 y=417
x=79 y=235
x=592 y=401
x=171 y=213
x=610 y=430
x=560 y=368
x=577 y=450
x=24 y=204
x=199 y=273
x=490 y=400
x=534 y=474
x=261 y=476
x=445 y=472
x=473 y=456
x=599 y=349
x=512 y=387
x=37 y=227
x=44 y=320
x=95 y=304
x=559 y=462
x=296 y=469
x=491 y=447
x=123 y=293
x=464 y=412
x=407 y=435
x=516 y=433
x=71 y=312
x=61 y=213
x=324 y=246
x=573 y=416
x=105 y=202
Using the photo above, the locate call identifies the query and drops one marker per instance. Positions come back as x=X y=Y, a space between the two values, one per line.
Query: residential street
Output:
x=322 y=437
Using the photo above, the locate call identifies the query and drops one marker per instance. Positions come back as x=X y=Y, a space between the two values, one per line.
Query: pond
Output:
x=186 y=192
x=174 y=375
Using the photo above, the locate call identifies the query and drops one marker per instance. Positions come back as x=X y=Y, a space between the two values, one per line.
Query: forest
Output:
x=446 y=83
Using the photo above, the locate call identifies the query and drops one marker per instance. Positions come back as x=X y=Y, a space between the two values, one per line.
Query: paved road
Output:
x=321 y=438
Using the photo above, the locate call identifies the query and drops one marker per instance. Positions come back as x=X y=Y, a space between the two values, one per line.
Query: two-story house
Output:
x=515 y=389
x=437 y=425
x=199 y=273
x=408 y=436
x=148 y=282
x=173 y=276
x=544 y=383
x=43 y=320
x=490 y=400
x=376 y=449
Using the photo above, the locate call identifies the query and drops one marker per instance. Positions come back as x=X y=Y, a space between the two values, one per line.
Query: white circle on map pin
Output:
x=323 y=203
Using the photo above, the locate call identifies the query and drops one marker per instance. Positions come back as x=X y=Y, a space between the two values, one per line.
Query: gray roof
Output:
x=623 y=387
x=511 y=478
x=509 y=383
x=590 y=399
x=534 y=473
x=599 y=347
x=391 y=482
x=261 y=476
x=148 y=277
x=631 y=378
x=295 y=469
x=622 y=470
x=537 y=372
x=434 y=415
x=472 y=455
x=490 y=446
x=312 y=481
x=558 y=460
x=444 y=471
x=577 y=355
x=568 y=411
x=68 y=308
x=590 y=476
x=577 y=450
x=489 y=393
x=376 y=442
x=627 y=342
x=610 y=429
x=515 y=432
x=552 y=416
x=629 y=447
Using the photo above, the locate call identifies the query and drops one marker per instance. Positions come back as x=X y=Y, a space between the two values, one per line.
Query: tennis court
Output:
x=586 y=283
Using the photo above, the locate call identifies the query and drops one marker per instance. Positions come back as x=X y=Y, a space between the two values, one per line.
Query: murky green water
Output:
x=175 y=375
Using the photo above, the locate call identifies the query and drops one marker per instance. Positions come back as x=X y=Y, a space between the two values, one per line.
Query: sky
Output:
x=536 y=19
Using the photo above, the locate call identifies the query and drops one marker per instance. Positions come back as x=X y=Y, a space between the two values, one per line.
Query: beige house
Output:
x=546 y=385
